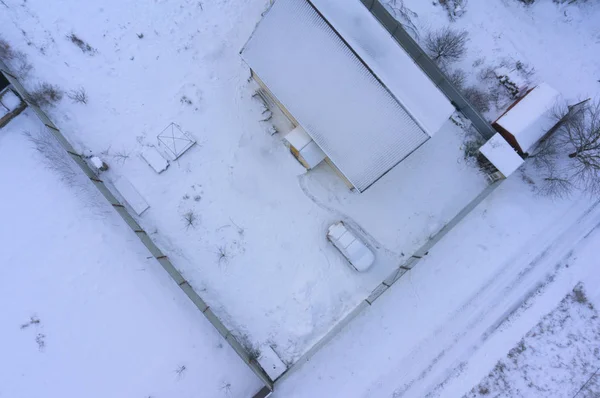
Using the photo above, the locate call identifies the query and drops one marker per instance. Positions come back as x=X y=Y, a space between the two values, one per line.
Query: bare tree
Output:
x=570 y=157
x=403 y=15
x=446 y=45
x=582 y=136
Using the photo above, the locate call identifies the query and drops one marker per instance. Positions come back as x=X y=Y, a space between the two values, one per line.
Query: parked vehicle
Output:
x=351 y=246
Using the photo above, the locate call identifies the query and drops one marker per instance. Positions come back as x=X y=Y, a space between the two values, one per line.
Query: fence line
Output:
x=162 y=259
x=413 y=49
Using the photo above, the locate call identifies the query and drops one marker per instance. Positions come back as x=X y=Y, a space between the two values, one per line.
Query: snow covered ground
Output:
x=438 y=331
x=86 y=311
x=444 y=325
x=559 y=42
x=554 y=359
x=256 y=251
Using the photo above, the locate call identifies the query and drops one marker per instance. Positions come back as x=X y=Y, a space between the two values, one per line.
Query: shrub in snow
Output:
x=455 y=8
x=458 y=78
x=190 y=219
x=226 y=388
x=45 y=94
x=222 y=254
x=83 y=46
x=180 y=370
x=15 y=59
x=446 y=45
x=6 y=51
x=478 y=98
x=78 y=95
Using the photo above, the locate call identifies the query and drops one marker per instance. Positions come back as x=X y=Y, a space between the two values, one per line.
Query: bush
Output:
x=458 y=78
x=478 y=98
x=45 y=94
x=455 y=8
x=78 y=95
x=83 y=46
x=6 y=51
x=190 y=219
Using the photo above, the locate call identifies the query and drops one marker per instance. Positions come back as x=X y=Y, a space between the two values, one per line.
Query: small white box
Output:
x=270 y=362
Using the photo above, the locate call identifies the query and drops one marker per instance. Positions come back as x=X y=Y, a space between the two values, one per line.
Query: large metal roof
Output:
x=330 y=90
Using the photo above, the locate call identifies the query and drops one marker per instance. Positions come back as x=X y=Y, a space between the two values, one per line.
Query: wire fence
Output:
x=162 y=259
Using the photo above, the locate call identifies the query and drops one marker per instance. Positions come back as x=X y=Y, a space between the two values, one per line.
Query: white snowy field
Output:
x=257 y=251
x=86 y=311
x=557 y=358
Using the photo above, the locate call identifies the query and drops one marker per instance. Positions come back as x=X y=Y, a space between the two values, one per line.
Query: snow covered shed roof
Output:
x=531 y=117
x=337 y=93
x=501 y=154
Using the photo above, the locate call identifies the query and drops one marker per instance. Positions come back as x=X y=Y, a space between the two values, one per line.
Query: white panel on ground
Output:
x=130 y=194
x=270 y=362
x=155 y=159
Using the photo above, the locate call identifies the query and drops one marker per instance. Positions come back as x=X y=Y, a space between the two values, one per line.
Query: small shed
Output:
x=357 y=95
x=527 y=120
x=501 y=155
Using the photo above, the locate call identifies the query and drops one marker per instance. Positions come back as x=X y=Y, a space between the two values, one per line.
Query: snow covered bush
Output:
x=45 y=94
x=6 y=51
x=78 y=95
x=457 y=77
x=190 y=218
x=83 y=46
x=446 y=45
x=478 y=98
x=16 y=60
x=455 y=8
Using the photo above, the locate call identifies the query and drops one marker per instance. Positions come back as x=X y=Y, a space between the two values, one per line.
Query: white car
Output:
x=351 y=246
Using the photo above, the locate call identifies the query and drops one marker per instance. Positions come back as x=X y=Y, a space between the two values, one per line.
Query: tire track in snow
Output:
x=345 y=218
x=502 y=289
